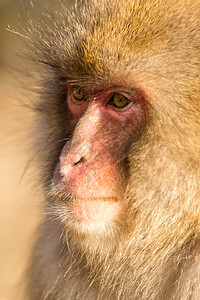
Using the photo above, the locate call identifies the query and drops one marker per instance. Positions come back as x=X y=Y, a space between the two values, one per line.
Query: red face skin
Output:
x=90 y=168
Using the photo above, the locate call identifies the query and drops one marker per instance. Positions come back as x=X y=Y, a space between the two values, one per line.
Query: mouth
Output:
x=99 y=210
x=114 y=199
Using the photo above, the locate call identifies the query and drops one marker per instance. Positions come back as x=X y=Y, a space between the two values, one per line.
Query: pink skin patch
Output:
x=89 y=169
x=97 y=211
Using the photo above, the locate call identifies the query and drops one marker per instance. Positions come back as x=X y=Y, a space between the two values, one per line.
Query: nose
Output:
x=77 y=155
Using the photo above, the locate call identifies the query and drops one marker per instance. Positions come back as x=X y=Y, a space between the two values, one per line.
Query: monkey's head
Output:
x=122 y=111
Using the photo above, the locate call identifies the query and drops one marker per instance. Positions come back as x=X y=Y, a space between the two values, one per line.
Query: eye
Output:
x=119 y=100
x=78 y=94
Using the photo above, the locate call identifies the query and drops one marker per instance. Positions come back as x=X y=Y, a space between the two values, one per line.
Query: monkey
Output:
x=118 y=150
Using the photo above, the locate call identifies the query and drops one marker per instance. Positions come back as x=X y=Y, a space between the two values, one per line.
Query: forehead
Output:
x=109 y=36
x=103 y=40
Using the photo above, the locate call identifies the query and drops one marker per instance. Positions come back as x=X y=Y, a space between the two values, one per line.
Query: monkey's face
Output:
x=90 y=176
x=128 y=114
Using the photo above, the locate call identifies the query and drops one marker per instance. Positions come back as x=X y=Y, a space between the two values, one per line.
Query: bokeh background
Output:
x=19 y=199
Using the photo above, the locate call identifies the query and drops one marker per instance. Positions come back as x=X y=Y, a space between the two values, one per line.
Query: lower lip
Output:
x=96 y=210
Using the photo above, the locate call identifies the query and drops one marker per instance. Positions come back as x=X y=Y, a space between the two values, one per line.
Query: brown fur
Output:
x=154 y=252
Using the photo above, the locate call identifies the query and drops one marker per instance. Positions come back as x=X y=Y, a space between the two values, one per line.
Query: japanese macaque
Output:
x=119 y=140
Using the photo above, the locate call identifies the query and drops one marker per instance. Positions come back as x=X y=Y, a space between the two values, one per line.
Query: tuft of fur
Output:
x=153 y=253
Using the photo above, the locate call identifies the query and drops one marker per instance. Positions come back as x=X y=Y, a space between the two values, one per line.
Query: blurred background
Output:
x=19 y=202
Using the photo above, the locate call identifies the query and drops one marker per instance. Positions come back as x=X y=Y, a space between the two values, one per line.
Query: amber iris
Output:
x=119 y=100
x=78 y=94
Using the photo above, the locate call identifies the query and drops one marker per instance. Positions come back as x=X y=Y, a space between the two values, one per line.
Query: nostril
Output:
x=76 y=163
